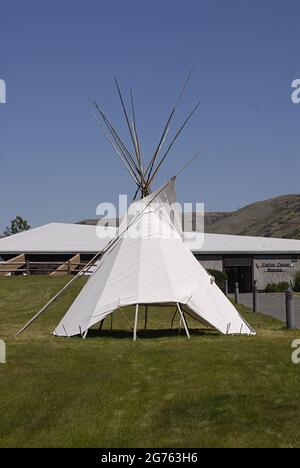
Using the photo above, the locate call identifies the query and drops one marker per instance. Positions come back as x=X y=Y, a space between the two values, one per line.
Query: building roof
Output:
x=231 y=244
x=54 y=238
x=73 y=238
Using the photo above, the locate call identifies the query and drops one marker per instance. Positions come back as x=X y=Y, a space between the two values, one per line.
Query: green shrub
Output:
x=220 y=277
x=277 y=287
x=297 y=282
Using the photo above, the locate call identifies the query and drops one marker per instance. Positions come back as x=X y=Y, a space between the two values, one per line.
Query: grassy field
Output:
x=161 y=391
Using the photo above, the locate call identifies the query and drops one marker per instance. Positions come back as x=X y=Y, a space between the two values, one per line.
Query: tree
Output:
x=16 y=225
x=297 y=282
x=220 y=277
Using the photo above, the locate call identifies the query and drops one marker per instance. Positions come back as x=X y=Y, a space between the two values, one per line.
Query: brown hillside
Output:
x=276 y=217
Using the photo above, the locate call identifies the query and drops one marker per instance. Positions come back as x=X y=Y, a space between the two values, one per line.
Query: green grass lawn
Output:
x=161 y=391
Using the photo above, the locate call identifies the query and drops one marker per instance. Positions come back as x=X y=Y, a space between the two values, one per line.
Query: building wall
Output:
x=274 y=269
x=266 y=268
x=212 y=262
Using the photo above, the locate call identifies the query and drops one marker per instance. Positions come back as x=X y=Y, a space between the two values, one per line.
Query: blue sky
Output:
x=56 y=165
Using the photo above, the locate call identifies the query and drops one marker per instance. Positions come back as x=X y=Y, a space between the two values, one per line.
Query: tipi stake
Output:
x=173 y=318
x=146 y=317
x=183 y=320
x=135 y=322
x=126 y=319
x=179 y=326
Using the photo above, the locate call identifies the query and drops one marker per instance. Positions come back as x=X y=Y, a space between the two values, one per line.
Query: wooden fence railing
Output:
x=33 y=268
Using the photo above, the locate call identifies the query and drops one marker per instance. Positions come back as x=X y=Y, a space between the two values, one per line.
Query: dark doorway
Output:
x=241 y=275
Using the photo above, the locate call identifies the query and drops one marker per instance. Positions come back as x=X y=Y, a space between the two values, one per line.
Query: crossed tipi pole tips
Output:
x=133 y=159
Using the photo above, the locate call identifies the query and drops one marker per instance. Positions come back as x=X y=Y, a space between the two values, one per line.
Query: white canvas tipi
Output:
x=148 y=264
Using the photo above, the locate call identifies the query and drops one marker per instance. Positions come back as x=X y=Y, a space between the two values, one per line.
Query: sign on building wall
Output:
x=275 y=267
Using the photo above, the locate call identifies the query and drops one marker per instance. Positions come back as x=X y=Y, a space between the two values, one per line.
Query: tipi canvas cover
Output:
x=148 y=263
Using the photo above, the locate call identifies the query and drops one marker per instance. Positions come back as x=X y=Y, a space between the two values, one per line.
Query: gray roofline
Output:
x=198 y=252
x=246 y=252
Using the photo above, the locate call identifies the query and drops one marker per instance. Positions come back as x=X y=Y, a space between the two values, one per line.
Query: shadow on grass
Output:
x=149 y=333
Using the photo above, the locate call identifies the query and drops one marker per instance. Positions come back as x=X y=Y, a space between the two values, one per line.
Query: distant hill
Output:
x=89 y=221
x=189 y=220
x=276 y=217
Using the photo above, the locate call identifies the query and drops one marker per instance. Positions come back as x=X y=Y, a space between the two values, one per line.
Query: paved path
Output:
x=273 y=304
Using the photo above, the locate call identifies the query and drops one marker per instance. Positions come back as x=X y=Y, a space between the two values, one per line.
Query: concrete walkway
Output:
x=272 y=304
